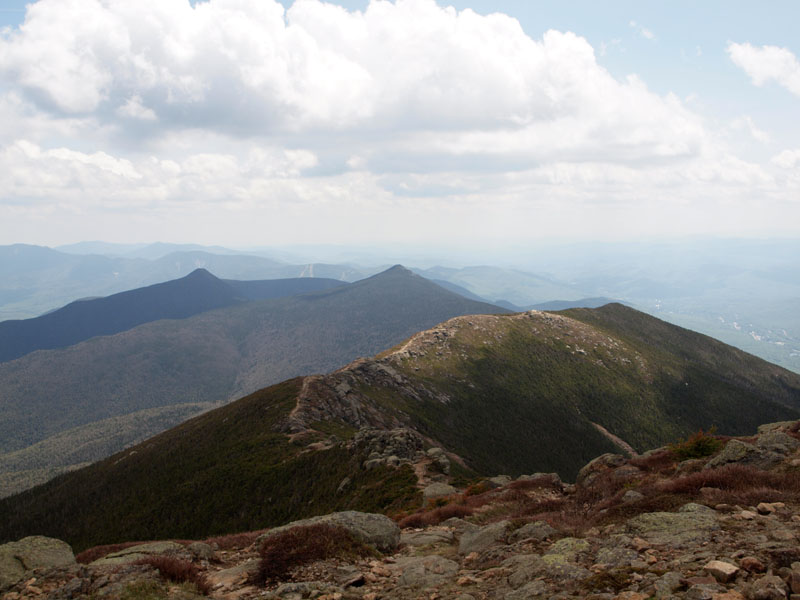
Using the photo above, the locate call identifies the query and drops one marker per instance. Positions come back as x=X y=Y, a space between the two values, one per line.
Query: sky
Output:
x=415 y=122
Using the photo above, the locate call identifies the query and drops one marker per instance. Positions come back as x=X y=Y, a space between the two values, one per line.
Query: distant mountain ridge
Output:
x=35 y=280
x=512 y=394
x=195 y=293
x=217 y=355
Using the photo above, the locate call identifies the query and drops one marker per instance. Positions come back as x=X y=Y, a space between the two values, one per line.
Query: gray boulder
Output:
x=498 y=481
x=425 y=571
x=437 y=490
x=480 y=539
x=777 y=441
x=134 y=553
x=378 y=531
x=18 y=559
x=427 y=537
x=689 y=526
x=538 y=530
x=742 y=453
x=532 y=590
x=591 y=470
x=780 y=425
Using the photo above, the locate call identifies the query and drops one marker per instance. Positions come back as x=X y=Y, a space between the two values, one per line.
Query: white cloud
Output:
x=134 y=109
x=643 y=31
x=788 y=159
x=238 y=115
x=246 y=67
x=767 y=63
x=745 y=123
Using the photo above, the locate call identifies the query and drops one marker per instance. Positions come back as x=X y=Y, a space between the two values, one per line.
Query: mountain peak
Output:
x=397 y=269
x=200 y=273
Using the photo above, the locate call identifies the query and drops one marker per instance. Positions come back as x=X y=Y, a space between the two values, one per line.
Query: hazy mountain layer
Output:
x=217 y=355
x=35 y=279
x=178 y=299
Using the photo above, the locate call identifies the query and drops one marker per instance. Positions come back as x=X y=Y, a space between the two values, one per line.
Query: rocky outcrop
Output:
x=19 y=559
x=140 y=551
x=692 y=524
x=391 y=447
x=377 y=531
x=742 y=453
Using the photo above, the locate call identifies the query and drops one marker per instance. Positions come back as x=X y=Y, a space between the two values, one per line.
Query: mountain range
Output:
x=35 y=279
x=51 y=396
x=512 y=394
x=198 y=292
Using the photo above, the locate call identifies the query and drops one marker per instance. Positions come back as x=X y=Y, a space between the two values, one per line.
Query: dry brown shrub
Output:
x=286 y=550
x=235 y=541
x=603 y=487
x=535 y=507
x=534 y=484
x=569 y=520
x=476 y=489
x=178 y=571
x=658 y=462
x=736 y=478
x=436 y=516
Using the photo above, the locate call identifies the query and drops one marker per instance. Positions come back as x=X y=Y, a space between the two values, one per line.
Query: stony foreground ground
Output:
x=724 y=526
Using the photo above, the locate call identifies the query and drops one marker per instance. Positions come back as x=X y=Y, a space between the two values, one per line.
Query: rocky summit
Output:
x=706 y=518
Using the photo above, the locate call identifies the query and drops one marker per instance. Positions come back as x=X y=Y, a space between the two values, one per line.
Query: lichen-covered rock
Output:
x=675 y=529
x=592 y=469
x=616 y=557
x=306 y=589
x=480 y=539
x=498 y=481
x=566 y=549
x=546 y=479
x=134 y=553
x=18 y=559
x=777 y=426
x=769 y=587
x=532 y=590
x=742 y=453
x=427 y=537
x=391 y=447
x=667 y=584
x=558 y=566
x=632 y=496
x=777 y=441
x=538 y=530
x=378 y=531
x=439 y=459
x=425 y=571
x=437 y=490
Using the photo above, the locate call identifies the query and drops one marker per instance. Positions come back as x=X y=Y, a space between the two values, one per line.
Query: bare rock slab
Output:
x=375 y=530
x=425 y=571
x=675 y=529
x=134 y=553
x=17 y=559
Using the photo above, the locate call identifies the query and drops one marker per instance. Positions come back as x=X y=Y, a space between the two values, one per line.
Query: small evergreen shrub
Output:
x=285 y=551
x=698 y=445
